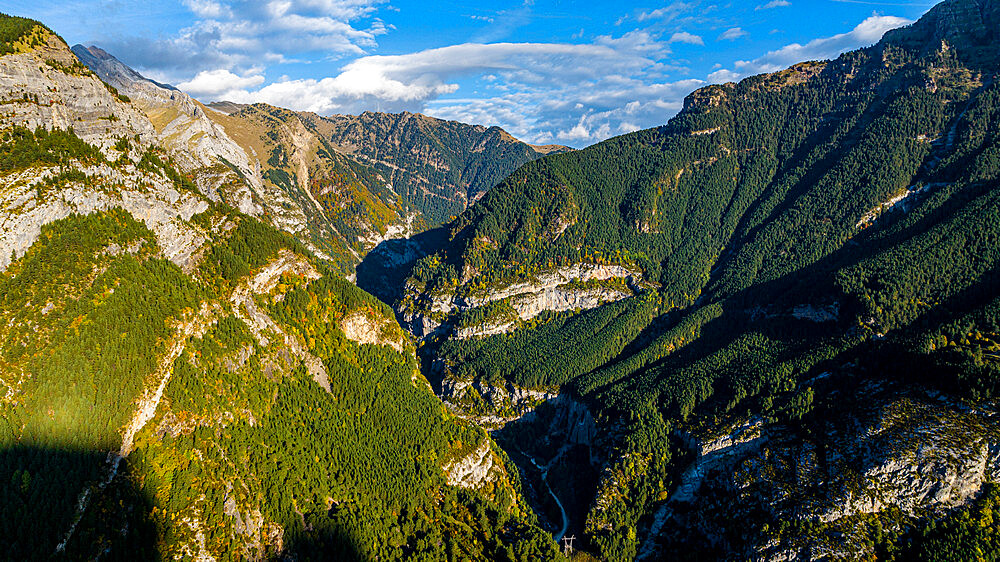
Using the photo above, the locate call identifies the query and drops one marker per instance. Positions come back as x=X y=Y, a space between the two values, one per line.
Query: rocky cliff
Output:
x=266 y=162
x=47 y=87
x=888 y=454
x=577 y=287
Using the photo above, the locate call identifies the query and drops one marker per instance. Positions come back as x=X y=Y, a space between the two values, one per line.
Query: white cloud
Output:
x=240 y=34
x=866 y=33
x=207 y=8
x=542 y=92
x=539 y=91
x=667 y=12
x=724 y=75
x=685 y=37
x=733 y=34
x=773 y=4
x=219 y=83
x=574 y=114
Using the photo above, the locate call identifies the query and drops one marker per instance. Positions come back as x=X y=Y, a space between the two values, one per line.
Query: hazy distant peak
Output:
x=110 y=69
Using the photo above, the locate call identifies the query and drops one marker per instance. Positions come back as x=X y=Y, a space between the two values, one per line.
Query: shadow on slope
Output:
x=40 y=492
x=385 y=268
x=41 y=489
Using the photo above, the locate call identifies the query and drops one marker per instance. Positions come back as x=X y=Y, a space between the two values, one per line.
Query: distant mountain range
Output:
x=343 y=183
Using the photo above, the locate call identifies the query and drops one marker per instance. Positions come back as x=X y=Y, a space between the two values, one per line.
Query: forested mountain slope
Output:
x=438 y=167
x=780 y=245
x=181 y=380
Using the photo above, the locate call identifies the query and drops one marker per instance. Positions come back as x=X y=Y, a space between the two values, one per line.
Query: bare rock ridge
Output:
x=223 y=169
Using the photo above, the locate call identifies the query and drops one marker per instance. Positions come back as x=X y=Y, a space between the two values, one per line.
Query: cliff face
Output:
x=891 y=454
x=196 y=142
x=576 y=287
x=266 y=162
x=47 y=87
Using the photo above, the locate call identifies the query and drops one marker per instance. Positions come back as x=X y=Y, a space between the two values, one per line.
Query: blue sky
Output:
x=548 y=71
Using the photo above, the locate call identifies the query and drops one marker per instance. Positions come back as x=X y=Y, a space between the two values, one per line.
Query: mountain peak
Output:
x=110 y=69
x=971 y=27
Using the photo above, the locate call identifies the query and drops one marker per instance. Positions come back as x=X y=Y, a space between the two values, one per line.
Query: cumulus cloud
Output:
x=537 y=88
x=570 y=93
x=732 y=34
x=723 y=75
x=572 y=114
x=685 y=37
x=866 y=33
x=667 y=12
x=219 y=83
x=240 y=34
x=773 y=4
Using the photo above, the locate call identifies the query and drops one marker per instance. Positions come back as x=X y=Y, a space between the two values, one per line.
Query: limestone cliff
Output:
x=47 y=87
x=577 y=287
x=897 y=453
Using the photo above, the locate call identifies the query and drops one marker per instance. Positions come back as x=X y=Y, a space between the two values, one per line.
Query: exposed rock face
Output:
x=556 y=290
x=71 y=97
x=43 y=88
x=364 y=328
x=543 y=286
x=263 y=326
x=474 y=470
x=908 y=452
x=223 y=169
x=491 y=405
x=151 y=199
x=484 y=330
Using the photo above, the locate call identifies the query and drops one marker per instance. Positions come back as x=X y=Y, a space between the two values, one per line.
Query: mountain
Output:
x=341 y=184
x=779 y=310
x=439 y=167
x=180 y=379
x=768 y=330
x=268 y=163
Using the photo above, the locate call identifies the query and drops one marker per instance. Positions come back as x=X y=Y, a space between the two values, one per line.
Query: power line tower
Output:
x=568 y=545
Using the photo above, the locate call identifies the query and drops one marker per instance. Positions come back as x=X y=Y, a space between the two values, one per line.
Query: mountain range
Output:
x=766 y=330
x=342 y=184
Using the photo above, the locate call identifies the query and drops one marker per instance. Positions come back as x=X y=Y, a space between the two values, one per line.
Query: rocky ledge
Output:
x=556 y=290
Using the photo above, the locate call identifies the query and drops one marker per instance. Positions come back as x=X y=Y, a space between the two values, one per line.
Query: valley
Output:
x=764 y=330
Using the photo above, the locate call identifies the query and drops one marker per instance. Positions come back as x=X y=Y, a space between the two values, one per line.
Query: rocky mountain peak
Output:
x=109 y=68
x=970 y=27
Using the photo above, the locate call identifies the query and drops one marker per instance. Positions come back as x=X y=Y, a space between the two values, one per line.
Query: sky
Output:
x=547 y=71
